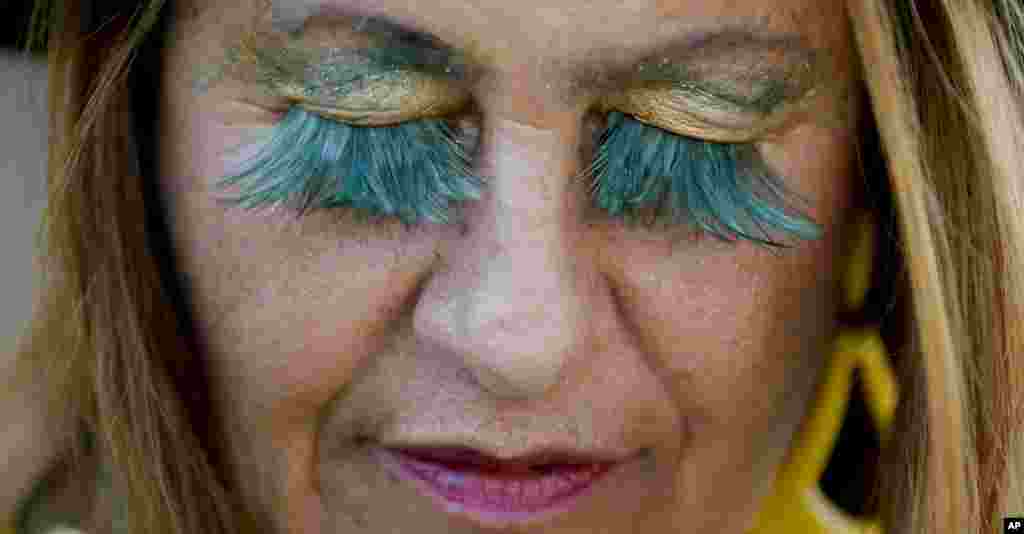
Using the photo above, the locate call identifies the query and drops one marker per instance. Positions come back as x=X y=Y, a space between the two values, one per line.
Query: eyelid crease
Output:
x=672 y=113
x=355 y=117
x=426 y=100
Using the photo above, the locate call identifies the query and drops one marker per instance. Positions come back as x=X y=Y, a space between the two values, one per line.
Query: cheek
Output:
x=266 y=294
x=266 y=287
x=775 y=311
x=735 y=331
x=740 y=333
x=287 y=309
x=288 y=315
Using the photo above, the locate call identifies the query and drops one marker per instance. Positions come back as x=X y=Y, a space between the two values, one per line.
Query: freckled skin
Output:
x=538 y=320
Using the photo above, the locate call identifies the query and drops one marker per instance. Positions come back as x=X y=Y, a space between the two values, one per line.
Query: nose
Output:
x=510 y=297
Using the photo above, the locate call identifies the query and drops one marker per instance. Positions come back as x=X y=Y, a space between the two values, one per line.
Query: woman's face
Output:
x=673 y=371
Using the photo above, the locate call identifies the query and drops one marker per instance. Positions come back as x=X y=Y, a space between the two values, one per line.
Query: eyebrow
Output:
x=727 y=65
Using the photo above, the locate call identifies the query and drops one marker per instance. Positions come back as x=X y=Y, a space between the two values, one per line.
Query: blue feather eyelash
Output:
x=414 y=170
x=723 y=188
x=410 y=170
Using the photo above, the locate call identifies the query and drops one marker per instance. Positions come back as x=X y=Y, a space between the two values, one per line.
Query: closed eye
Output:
x=416 y=169
x=724 y=189
x=411 y=170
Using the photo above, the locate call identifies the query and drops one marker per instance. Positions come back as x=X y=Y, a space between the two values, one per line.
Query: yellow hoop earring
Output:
x=797 y=505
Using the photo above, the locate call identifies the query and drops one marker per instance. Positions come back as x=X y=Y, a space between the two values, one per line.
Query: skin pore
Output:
x=539 y=320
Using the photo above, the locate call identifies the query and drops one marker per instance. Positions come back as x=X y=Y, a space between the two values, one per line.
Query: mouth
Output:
x=500 y=491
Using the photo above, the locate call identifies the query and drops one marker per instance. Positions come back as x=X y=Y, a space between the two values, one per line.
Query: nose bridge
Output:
x=511 y=303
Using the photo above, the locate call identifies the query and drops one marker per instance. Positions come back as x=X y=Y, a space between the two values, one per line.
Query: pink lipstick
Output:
x=496 y=491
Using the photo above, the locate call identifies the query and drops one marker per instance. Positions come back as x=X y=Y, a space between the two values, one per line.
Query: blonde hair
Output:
x=946 y=81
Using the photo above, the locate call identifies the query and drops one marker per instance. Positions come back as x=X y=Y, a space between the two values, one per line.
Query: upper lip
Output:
x=544 y=455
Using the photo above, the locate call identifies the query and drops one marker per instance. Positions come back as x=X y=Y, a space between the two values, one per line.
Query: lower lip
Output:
x=496 y=498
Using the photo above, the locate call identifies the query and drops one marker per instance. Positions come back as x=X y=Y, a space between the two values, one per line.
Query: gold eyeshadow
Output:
x=360 y=86
x=377 y=72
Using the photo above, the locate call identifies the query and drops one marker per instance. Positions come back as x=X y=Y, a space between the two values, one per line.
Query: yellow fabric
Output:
x=797 y=505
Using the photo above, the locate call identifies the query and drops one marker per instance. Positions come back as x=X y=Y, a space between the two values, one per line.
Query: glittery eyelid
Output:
x=379 y=83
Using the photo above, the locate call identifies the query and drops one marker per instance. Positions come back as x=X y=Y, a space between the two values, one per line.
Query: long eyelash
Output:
x=410 y=170
x=722 y=188
x=415 y=169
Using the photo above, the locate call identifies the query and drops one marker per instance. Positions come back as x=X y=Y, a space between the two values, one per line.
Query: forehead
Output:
x=506 y=31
